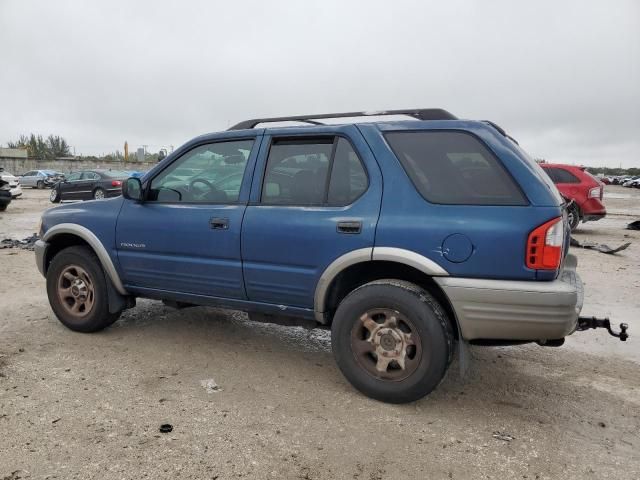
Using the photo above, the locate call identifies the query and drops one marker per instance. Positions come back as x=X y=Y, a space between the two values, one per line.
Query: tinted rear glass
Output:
x=454 y=168
x=560 y=175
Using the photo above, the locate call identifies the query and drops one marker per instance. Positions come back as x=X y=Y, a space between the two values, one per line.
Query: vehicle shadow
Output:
x=524 y=382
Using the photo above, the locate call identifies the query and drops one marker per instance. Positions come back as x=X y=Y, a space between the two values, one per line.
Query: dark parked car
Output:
x=89 y=185
x=5 y=195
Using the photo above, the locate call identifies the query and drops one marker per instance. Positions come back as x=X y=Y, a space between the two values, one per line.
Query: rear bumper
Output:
x=516 y=310
x=592 y=209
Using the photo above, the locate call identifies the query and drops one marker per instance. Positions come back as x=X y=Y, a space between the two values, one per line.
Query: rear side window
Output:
x=318 y=171
x=560 y=175
x=454 y=168
x=348 y=178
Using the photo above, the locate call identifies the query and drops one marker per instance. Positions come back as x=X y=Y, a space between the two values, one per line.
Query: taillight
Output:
x=595 y=192
x=544 y=246
x=116 y=183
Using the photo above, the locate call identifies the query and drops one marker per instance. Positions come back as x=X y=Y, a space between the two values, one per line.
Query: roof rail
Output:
x=501 y=131
x=419 y=114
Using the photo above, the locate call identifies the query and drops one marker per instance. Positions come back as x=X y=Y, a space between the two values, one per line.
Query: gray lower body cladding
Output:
x=516 y=310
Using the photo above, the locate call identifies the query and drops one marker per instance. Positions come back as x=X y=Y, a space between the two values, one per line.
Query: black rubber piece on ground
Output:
x=425 y=313
x=166 y=428
x=99 y=317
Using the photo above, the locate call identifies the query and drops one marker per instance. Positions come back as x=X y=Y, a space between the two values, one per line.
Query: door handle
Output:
x=349 y=227
x=219 y=223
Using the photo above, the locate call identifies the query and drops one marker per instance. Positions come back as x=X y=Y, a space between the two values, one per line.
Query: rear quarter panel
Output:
x=498 y=233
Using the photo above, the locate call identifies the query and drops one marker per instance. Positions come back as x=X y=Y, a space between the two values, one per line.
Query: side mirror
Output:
x=162 y=155
x=132 y=189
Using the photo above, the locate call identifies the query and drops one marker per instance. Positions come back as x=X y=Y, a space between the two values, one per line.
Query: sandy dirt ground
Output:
x=75 y=406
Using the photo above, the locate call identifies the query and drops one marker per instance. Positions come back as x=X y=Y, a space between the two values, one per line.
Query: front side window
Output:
x=72 y=177
x=318 y=171
x=210 y=173
x=454 y=168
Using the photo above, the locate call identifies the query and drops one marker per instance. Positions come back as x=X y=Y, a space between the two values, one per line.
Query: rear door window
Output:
x=317 y=171
x=454 y=168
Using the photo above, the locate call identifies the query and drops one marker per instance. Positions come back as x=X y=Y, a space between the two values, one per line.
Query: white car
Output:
x=14 y=183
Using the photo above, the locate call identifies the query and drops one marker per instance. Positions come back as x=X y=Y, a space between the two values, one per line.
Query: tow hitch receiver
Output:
x=585 y=323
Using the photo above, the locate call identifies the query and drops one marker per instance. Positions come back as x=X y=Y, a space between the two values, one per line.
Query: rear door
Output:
x=315 y=196
x=84 y=187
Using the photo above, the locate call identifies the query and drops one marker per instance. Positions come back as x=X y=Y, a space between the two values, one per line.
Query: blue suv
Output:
x=406 y=238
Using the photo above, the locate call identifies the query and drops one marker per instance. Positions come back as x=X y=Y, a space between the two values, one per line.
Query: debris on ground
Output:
x=25 y=244
x=166 y=428
x=600 y=247
x=634 y=225
x=503 y=436
x=210 y=385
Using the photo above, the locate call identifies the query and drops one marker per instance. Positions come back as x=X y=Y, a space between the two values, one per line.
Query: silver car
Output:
x=40 y=178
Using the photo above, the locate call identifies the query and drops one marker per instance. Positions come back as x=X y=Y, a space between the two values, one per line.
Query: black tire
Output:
x=99 y=194
x=95 y=318
x=40 y=185
x=423 y=314
x=54 y=196
x=573 y=216
x=3 y=208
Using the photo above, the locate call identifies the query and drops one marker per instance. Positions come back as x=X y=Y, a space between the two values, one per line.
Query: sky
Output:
x=562 y=77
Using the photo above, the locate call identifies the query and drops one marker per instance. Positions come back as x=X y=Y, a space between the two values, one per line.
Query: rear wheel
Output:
x=392 y=341
x=77 y=290
x=98 y=194
x=3 y=208
x=573 y=216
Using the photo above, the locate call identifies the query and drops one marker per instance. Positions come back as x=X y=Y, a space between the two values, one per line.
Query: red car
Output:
x=576 y=184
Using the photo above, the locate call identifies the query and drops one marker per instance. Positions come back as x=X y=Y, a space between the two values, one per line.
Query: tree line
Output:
x=50 y=148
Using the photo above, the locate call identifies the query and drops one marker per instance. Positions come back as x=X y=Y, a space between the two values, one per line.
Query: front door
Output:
x=185 y=236
x=317 y=197
x=70 y=187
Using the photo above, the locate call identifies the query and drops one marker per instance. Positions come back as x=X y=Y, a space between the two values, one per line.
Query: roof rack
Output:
x=419 y=114
x=501 y=131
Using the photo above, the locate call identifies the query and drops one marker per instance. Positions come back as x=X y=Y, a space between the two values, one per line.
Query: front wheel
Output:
x=77 y=290
x=54 y=196
x=40 y=185
x=392 y=340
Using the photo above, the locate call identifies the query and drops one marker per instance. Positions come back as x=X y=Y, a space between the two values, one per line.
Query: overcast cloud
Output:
x=563 y=77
